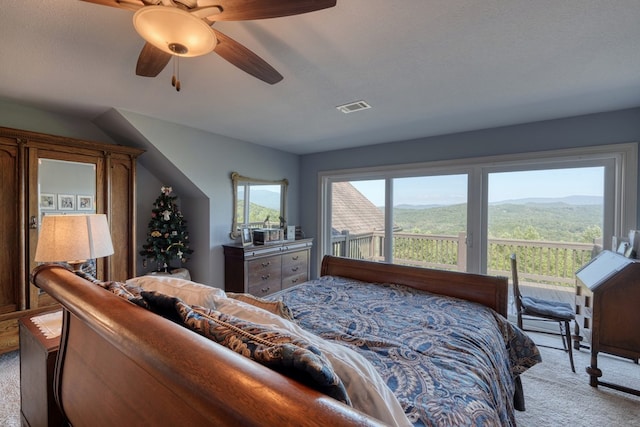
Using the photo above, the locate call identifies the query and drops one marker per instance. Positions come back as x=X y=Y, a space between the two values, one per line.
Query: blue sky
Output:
x=451 y=189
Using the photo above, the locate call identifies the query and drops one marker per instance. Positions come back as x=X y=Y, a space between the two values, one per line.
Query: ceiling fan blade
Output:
x=120 y=4
x=151 y=61
x=244 y=59
x=242 y=10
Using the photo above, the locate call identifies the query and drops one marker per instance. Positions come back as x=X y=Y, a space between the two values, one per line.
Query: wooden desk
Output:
x=37 y=364
x=607 y=312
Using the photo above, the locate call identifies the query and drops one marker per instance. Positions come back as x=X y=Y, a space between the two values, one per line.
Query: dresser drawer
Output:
x=264 y=275
x=295 y=279
x=265 y=288
x=295 y=262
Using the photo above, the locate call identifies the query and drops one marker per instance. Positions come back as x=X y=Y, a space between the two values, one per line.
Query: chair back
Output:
x=517 y=296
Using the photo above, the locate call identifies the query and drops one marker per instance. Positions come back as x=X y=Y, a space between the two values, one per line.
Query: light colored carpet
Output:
x=554 y=395
x=10 y=390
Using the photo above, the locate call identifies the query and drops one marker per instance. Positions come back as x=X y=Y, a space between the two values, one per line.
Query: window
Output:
x=551 y=218
x=358 y=219
x=444 y=215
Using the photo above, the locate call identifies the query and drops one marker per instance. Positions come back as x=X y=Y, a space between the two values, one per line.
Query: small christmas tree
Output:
x=167 y=238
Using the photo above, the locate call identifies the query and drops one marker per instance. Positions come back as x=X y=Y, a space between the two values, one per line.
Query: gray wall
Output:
x=206 y=161
x=200 y=163
x=583 y=131
x=196 y=164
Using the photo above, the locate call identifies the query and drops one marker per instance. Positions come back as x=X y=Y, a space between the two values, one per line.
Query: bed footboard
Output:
x=120 y=364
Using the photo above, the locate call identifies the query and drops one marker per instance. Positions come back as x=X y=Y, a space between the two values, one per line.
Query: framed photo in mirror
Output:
x=66 y=202
x=85 y=203
x=47 y=202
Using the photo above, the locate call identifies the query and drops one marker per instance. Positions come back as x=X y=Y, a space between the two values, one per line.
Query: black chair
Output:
x=540 y=309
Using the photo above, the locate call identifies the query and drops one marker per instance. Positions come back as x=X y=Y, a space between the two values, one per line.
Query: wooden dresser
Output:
x=263 y=270
x=608 y=311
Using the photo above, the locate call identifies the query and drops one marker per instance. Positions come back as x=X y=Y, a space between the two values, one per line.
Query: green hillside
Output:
x=531 y=221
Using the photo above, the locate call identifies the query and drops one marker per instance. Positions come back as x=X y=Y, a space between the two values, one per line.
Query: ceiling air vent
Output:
x=353 y=106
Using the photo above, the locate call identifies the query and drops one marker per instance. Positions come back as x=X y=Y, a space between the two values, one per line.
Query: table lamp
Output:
x=73 y=239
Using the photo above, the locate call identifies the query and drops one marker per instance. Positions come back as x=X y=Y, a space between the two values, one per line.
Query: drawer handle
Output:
x=266 y=264
x=266 y=277
x=294 y=269
x=294 y=281
x=295 y=258
x=265 y=290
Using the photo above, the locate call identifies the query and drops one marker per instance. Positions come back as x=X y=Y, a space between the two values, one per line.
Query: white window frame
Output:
x=620 y=205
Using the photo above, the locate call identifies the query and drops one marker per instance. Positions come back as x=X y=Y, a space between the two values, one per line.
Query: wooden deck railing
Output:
x=538 y=261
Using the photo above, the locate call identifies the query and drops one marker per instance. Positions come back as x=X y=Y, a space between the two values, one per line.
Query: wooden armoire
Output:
x=21 y=210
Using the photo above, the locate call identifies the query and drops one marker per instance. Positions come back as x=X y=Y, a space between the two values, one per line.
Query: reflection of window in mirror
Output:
x=240 y=205
x=257 y=203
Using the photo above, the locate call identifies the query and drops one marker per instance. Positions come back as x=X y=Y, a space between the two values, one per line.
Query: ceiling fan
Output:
x=175 y=28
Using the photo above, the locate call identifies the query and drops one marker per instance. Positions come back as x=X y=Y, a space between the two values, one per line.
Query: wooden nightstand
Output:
x=37 y=362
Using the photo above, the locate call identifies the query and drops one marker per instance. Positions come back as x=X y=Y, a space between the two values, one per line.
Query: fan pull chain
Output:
x=175 y=79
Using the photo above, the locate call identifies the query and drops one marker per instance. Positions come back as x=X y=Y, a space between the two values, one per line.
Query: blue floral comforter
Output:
x=449 y=362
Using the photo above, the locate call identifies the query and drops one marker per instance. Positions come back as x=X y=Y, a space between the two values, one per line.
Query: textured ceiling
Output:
x=427 y=67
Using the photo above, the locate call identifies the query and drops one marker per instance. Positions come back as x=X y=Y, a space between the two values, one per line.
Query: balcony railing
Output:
x=546 y=262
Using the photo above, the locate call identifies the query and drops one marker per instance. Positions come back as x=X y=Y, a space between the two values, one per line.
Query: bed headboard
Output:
x=490 y=291
x=120 y=364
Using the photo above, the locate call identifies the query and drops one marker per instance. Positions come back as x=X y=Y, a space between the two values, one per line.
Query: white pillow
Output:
x=190 y=292
x=366 y=388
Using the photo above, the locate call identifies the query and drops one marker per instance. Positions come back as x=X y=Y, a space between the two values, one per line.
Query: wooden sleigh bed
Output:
x=121 y=364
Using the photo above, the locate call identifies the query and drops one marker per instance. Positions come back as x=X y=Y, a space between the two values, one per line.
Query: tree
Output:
x=167 y=238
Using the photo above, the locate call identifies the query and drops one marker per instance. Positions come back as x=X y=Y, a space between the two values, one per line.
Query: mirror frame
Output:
x=237 y=179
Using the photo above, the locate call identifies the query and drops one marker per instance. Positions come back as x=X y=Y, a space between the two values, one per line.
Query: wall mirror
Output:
x=62 y=187
x=257 y=202
x=66 y=187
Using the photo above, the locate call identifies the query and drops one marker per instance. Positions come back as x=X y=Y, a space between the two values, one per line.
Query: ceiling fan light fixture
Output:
x=174 y=31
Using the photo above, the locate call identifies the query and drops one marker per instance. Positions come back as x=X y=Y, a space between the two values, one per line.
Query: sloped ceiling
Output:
x=427 y=67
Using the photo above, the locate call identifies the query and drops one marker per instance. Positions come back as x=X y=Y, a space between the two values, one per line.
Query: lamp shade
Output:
x=73 y=238
x=174 y=30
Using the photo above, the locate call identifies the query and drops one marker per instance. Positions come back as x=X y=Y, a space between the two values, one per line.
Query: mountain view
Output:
x=567 y=219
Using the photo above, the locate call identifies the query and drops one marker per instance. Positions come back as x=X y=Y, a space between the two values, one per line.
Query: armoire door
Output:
x=11 y=293
x=55 y=175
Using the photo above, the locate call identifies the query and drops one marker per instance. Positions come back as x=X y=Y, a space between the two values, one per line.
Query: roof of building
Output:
x=352 y=211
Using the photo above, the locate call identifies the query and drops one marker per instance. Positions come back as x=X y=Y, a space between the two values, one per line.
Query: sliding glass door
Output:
x=425 y=224
x=553 y=209
x=358 y=219
x=552 y=219
x=430 y=221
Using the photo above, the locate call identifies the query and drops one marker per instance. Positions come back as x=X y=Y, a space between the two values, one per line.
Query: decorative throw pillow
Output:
x=163 y=305
x=190 y=292
x=270 y=347
x=129 y=292
x=366 y=389
x=87 y=276
x=275 y=307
